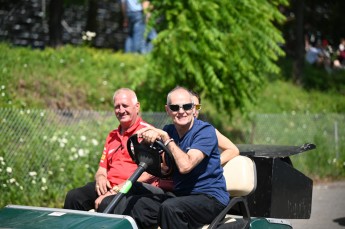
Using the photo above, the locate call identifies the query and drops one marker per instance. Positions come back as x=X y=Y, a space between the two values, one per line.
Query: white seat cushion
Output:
x=240 y=176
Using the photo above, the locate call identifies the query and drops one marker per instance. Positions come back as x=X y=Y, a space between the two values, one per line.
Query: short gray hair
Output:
x=127 y=90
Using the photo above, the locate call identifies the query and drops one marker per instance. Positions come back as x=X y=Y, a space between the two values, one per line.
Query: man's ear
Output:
x=167 y=109
x=137 y=105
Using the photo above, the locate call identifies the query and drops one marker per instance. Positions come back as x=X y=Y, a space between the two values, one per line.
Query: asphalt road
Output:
x=328 y=208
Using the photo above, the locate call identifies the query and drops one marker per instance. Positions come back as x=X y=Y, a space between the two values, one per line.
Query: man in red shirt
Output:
x=115 y=165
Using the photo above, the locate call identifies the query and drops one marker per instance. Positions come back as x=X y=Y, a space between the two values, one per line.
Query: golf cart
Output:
x=265 y=190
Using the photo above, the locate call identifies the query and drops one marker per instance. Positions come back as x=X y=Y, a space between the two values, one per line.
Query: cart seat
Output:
x=240 y=177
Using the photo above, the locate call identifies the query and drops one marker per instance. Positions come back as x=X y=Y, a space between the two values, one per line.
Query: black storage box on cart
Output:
x=282 y=191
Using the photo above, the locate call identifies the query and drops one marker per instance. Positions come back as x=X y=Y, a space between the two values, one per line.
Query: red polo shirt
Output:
x=115 y=157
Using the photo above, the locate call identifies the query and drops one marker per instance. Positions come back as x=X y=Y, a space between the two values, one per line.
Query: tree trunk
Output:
x=91 y=24
x=55 y=26
x=300 y=52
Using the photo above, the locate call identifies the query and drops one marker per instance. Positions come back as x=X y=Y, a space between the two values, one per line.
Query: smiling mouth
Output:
x=121 y=116
x=181 y=117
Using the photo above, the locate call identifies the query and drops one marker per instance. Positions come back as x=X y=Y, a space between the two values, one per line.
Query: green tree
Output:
x=223 y=49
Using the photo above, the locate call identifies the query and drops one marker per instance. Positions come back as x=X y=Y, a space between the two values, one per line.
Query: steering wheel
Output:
x=152 y=155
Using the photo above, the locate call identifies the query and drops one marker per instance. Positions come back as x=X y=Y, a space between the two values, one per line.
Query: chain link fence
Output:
x=43 y=151
x=296 y=129
x=326 y=131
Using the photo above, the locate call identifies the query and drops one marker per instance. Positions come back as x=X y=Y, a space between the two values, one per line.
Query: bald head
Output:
x=179 y=91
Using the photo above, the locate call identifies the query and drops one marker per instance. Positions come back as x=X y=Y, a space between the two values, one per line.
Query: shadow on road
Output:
x=340 y=221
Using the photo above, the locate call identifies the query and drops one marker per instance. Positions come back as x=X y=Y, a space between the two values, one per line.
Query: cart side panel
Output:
x=282 y=191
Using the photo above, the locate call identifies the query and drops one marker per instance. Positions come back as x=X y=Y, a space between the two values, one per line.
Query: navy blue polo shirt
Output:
x=207 y=177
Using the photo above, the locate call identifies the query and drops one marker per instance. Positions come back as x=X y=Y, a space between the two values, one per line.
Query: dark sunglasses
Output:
x=185 y=107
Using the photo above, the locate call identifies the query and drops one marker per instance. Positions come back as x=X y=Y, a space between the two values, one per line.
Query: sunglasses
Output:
x=198 y=107
x=185 y=107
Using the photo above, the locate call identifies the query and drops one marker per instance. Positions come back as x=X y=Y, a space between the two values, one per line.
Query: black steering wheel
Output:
x=152 y=155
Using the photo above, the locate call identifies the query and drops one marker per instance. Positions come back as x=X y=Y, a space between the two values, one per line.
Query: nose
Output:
x=121 y=108
x=181 y=110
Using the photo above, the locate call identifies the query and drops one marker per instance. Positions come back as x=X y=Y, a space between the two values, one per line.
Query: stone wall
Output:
x=25 y=23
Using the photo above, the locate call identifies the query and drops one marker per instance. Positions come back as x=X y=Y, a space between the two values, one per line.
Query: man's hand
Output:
x=164 y=169
x=151 y=134
x=102 y=183
x=101 y=197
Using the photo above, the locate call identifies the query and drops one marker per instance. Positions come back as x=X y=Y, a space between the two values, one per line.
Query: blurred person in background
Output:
x=135 y=19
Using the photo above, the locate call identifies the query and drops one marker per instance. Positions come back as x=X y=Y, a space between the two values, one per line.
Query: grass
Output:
x=284 y=97
x=69 y=77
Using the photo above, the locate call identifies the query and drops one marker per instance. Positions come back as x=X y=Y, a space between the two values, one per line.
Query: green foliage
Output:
x=223 y=49
x=316 y=77
x=85 y=78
